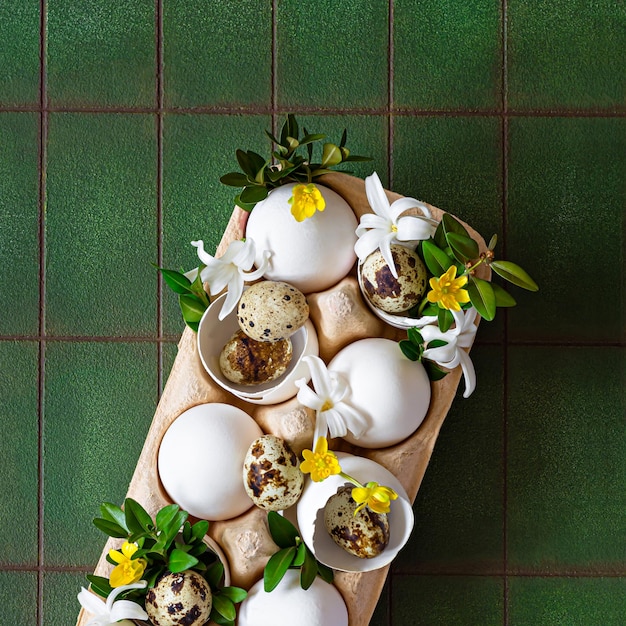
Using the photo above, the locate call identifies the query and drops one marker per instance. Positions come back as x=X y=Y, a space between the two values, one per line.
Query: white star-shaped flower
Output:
x=452 y=354
x=386 y=226
x=109 y=613
x=230 y=270
x=327 y=399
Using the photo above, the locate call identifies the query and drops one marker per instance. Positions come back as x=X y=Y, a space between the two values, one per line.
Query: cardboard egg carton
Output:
x=340 y=316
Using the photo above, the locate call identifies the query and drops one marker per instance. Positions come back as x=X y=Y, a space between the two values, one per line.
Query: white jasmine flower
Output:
x=333 y=414
x=110 y=612
x=230 y=270
x=385 y=226
x=452 y=354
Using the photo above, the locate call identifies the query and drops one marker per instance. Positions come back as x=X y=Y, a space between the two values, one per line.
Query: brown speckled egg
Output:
x=271 y=474
x=394 y=295
x=365 y=534
x=248 y=362
x=179 y=600
x=271 y=311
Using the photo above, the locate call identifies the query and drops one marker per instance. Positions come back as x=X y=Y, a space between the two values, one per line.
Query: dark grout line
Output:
x=158 y=10
x=390 y=96
x=274 y=69
x=486 y=573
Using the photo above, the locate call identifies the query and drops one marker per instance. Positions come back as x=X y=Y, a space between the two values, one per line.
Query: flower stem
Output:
x=349 y=478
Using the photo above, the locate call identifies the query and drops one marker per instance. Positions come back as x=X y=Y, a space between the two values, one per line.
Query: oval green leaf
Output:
x=165 y=516
x=503 y=297
x=110 y=528
x=252 y=194
x=234 y=594
x=331 y=155
x=463 y=247
x=276 y=567
x=308 y=571
x=224 y=606
x=180 y=560
x=283 y=532
x=437 y=261
x=514 y=274
x=482 y=297
x=234 y=179
x=191 y=307
x=136 y=516
x=410 y=350
x=113 y=513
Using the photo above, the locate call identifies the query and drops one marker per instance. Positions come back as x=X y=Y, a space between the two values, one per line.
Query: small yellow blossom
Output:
x=320 y=463
x=305 y=200
x=128 y=570
x=447 y=292
x=373 y=496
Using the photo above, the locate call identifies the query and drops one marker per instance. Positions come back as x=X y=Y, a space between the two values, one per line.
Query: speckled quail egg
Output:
x=383 y=290
x=245 y=361
x=272 y=310
x=271 y=474
x=364 y=534
x=182 y=599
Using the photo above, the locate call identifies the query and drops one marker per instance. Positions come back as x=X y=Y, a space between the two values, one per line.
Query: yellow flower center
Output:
x=327 y=405
x=447 y=292
x=305 y=201
x=394 y=228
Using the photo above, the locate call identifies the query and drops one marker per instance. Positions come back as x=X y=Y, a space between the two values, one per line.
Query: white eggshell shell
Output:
x=213 y=335
x=389 y=390
x=320 y=605
x=200 y=460
x=313 y=254
x=310 y=515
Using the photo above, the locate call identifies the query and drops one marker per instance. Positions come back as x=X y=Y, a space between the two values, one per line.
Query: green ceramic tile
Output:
x=447 y=55
x=18 y=597
x=101 y=225
x=18 y=453
x=102 y=53
x=217 y=53
x=19 y=226
x=572 y=601
x=437 y=600
x=464 y=532
x=19 y=53
x=332 y=54
x=565 y=227
x=99 y=402
x=566 y=54
x=566 y=463
x=60 y=605
x=198 y=149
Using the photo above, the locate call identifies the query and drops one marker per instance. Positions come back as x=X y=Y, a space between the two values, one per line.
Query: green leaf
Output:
x=331 y=155
x=234 y=594
x=100 y=585
x=436 y=260
x=220 y=619
x=355 y=158
x=415 y=336
x=452 y=225
x=503 y=297
x=137 y=520
x=179 y=561
x=410 y=350
x=283 y=532
x=253 y=194
x=325 y=572
x=434 y=372
x=514 y=274
x=444 y=320
x=482 y=297
x=308 y=571
x=463 y=247
x=310 y=138
x=176 y=281
x=113 y=513
x=224 y=607
x=300 y=555
x=234 y=179
x=191 y=307
x=437 y=343
x=276 y=567
x=492 y=243
x=215 y=574
x=199 y=529
x=165 y=516
x=246 y=206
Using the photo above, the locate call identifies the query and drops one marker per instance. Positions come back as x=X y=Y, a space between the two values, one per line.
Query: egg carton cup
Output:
x=340 y=316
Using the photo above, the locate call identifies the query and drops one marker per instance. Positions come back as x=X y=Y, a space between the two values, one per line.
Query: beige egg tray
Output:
x=340 y=317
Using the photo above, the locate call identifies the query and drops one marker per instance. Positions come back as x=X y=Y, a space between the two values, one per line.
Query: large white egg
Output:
x=200 y=460
x=313 y=254
x=390 y=391
x=320 y=605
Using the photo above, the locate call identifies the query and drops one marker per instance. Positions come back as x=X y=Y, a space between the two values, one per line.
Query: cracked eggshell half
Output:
x=200 y=460
x=311 y=255
x=310 y=515
x=213 y=335
x=320 y=605
x=389 y=390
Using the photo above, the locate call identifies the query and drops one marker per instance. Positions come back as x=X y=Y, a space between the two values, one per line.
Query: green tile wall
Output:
x=117 y=120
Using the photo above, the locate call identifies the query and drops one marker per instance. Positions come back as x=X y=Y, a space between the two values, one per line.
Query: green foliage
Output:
x=292 y=554
x=291 y=160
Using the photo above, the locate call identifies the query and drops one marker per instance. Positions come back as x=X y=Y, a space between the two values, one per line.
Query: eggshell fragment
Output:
x=271 y=310
x=390 y=391
x=200 y=460
x=320 y=605
x=271 y=474
x=313 y=254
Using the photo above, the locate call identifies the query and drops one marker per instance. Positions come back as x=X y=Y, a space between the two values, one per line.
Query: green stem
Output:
x=349 y=478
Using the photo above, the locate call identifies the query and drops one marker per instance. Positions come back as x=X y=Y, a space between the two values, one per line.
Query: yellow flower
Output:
x=128 y=570
x=447 y=292
x=374 y=496
x=305 y=200
x=320 y=463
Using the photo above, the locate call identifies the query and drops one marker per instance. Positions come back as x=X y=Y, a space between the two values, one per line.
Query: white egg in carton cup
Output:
x=213 y=335
x=310 y=516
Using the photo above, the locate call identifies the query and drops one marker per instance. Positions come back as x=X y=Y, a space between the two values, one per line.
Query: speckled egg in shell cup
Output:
x=310 y=515
x=213 y=335
x=389 y=390
x=311 y=255
x=200 y=458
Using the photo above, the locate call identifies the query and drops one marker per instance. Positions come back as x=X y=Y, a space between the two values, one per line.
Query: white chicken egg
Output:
x=200 y=460
x=320 y=605
x=313 y=254
x=390 y=391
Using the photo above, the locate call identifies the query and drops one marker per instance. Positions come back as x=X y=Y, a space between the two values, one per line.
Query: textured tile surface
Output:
x=18 y=597
x=60 y=589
